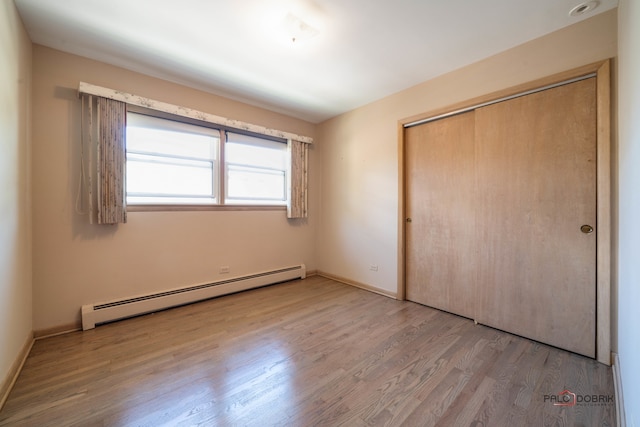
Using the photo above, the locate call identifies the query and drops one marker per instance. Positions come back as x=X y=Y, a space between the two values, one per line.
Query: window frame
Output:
x=220 y=172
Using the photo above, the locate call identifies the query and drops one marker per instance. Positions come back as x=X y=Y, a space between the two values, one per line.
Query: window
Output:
x=256 y=170
x=171 y=162
x=176 y=156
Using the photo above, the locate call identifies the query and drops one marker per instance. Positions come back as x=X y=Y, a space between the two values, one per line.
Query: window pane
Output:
x=150 y=176
x=156 y=141
x=165 y=200
x=256 y=156
x=255 y=185
x=255 y=170
x=148 y=134
x=170 y=162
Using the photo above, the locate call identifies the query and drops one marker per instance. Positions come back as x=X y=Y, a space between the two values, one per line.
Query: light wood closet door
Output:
x=441 y=253
x=536 y=170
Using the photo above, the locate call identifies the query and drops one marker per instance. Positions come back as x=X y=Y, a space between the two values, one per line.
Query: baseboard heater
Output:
x=96 y=314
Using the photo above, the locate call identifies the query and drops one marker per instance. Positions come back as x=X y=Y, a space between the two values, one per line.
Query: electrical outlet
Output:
x=373 y=267
x=224 y=269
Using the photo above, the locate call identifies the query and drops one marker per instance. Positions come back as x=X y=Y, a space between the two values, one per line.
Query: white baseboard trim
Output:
x=358 y=284
x=621 y=419
x=40 y=334
x=7 y=385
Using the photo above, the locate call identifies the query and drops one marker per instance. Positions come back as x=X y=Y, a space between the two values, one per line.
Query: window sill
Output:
x=174 y=208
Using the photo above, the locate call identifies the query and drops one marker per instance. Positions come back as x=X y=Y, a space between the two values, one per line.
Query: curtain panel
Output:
x=103 y=160
x=298 y=179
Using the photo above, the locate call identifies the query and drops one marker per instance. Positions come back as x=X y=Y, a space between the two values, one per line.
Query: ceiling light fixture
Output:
x=298 y=30
x=583 y=8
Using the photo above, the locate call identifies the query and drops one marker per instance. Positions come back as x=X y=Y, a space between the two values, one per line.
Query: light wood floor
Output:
x=303 y=353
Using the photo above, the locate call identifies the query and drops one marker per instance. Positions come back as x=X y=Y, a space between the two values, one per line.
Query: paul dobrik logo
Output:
x=568 y=398
x=564 y=398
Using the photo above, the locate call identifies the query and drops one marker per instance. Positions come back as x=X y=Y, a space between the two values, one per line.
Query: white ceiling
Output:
x=365 y=49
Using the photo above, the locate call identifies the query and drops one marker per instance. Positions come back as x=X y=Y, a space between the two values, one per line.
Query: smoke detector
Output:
x=583 y=8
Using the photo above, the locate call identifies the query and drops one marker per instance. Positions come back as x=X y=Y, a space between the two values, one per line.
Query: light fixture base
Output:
x=297 y=29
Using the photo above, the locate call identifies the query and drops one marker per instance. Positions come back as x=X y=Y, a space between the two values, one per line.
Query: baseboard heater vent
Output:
x=96 y=314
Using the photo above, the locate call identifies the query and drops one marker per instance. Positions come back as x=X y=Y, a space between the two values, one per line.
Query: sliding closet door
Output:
x=536 y=211
x=441 y=254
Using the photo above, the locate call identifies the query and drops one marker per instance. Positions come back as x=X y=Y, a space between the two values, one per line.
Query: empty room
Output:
x=319 y=212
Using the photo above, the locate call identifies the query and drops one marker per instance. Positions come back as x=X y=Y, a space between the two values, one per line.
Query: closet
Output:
x=501 y=212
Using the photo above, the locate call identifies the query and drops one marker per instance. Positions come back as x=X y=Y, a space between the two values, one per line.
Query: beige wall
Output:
x=629 y=206
x=359 y=149
x=15 y=212
x=76 y=263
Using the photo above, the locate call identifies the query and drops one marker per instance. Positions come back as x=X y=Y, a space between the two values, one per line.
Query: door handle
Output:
x=586 y=229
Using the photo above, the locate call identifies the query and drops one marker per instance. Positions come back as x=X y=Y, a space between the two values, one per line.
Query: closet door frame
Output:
x=602 y=71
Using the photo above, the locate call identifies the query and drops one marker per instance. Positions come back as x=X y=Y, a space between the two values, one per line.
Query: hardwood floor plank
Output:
x=302 y=353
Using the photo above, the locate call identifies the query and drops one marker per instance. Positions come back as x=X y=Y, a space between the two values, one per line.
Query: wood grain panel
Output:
x=537 y=165
x=603 y=230
x=514 y=90
x=441 y=250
